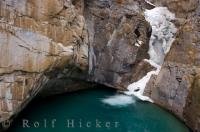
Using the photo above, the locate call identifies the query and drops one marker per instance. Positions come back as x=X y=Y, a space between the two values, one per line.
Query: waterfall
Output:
x=162 y=37
x=163 y=32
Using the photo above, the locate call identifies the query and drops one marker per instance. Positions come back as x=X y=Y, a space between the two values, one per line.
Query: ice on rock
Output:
x=138 y=43
x=163 y=32
x=137 y=88
x=149 y=3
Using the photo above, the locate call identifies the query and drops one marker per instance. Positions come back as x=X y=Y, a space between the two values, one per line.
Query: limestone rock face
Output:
x=36 y=38
x=172 y=86
x=178 y=6
x=47 y=45
x=176 y=87
x=119 y=41
x=44 y=46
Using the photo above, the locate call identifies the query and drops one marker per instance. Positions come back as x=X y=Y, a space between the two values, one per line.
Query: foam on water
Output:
x=119 y=100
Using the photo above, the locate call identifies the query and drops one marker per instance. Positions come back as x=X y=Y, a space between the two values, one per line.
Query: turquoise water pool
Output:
x=95 y=110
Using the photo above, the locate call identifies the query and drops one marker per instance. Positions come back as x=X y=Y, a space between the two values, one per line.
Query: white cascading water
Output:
x=163 y=32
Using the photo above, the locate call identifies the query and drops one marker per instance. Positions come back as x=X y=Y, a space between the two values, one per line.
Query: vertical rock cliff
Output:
x=119 y=42
x=37 y=38
x=66 y=43
x=177 y=85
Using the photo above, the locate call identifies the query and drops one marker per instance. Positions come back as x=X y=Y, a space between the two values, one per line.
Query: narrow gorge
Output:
x=144 y=49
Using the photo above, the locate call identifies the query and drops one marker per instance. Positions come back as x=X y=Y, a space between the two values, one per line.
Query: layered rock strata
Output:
x=37 y=38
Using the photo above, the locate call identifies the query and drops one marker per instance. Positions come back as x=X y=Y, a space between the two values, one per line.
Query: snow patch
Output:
x=149 y=3
x=137 y=88
x=119 y=100
x=152 y=63
x=138 y=43
x=163 y=32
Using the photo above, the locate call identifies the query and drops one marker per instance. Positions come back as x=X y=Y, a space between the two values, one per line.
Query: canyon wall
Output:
x=38 y=38
x=119 y=42
x=176 y=88
x=55 y=46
